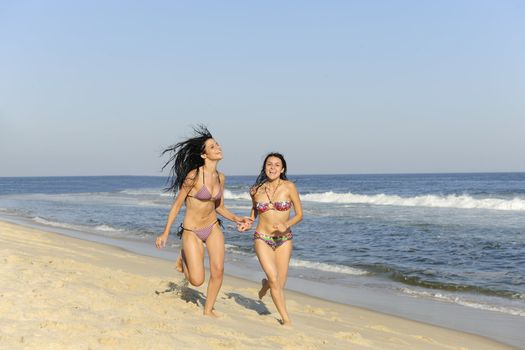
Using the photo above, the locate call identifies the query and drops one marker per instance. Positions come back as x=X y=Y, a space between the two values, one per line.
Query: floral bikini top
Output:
x=262 y=207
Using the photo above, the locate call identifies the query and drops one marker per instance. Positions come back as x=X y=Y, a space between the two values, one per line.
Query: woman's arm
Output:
x=297 y=206
x=253 y=215
x=223 y=211
x=253 y=212
x=175 y=208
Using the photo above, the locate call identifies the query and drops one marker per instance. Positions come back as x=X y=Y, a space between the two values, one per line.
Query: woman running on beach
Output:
x=273 y=196
x=200 y=186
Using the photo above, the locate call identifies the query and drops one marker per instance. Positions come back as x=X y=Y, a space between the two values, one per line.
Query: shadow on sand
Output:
x=186 y=293
x=251 y=304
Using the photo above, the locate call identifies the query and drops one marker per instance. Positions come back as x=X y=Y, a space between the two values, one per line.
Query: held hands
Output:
x=244 y=224
x=244 y=227
x=161 y=241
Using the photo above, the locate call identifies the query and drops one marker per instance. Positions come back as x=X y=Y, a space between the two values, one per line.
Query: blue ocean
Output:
x=455 y=238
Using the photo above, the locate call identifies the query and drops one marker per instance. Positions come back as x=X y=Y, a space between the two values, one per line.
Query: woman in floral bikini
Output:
x=273 y=196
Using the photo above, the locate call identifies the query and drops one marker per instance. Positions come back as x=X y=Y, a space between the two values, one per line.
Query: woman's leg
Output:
x=215 y=246
x=264 y=288
x=267 y=259
x=193 y=257
x=179 y=264
x=282 y=259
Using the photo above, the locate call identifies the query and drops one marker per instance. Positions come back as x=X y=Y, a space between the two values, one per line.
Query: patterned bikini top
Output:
x=262 y=207
x=204 y=193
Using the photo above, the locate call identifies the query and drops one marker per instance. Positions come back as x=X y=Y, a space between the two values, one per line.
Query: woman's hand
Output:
x=281 y=227
x=161 y=241
x=244 y=223
x=242 y=227
x=243 y=220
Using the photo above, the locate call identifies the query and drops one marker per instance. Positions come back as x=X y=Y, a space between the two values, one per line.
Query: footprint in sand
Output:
x=315 y=310
x=424 y=338
x=224 y=343
x=108 y=341
x=400 y=341
x=381 y=328
x=354 y=337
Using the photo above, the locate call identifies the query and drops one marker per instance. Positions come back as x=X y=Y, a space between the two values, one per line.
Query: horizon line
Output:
x=303 y=174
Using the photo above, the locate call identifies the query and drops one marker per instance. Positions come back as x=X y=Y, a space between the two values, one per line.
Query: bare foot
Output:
x=287 y=322
x=211 y=314
x=264 y=288
x=178 y=264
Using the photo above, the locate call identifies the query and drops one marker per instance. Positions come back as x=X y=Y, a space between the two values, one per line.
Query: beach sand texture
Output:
x=58 y=292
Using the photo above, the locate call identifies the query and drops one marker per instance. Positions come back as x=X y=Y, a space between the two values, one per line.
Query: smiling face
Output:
x=273 y=168
x=212 y=150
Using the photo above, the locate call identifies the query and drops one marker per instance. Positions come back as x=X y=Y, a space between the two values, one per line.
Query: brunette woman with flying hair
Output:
x=195 y=181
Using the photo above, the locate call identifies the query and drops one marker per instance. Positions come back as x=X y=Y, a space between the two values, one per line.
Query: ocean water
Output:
x=455 y=238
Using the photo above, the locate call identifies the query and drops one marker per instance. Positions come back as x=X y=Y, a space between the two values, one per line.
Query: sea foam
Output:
x=101 y=228
x=461 y=300
x=450 y=201
x=327 y=267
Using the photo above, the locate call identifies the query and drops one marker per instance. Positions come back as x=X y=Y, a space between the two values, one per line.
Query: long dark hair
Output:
x=262 y=178
x=186 y=156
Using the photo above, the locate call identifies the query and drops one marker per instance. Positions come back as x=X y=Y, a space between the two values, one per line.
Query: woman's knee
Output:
x=196 y=281
x=273 y=281
x=217 y=270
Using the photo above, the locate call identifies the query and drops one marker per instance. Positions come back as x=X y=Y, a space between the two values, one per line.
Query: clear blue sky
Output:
x=100 y=87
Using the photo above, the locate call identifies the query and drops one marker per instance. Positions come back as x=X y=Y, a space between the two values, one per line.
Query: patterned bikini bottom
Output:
x=273 y=241
x=203 y=233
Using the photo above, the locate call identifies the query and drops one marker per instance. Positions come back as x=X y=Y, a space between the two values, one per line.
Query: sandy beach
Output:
x=59 y=292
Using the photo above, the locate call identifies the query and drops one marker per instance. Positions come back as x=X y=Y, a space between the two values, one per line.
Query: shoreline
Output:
x=36 y=257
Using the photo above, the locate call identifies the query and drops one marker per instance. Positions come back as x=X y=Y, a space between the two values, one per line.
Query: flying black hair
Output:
x=186 y=156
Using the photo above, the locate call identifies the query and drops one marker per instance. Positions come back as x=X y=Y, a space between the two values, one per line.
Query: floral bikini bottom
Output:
x=273 y=241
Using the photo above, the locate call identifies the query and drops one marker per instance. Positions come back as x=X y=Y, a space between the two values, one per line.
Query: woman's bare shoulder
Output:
x=289 y=184
x=254 y=190
x=189 y=181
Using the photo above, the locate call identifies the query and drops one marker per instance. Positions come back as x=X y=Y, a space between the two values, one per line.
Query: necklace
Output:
x=267 y=190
